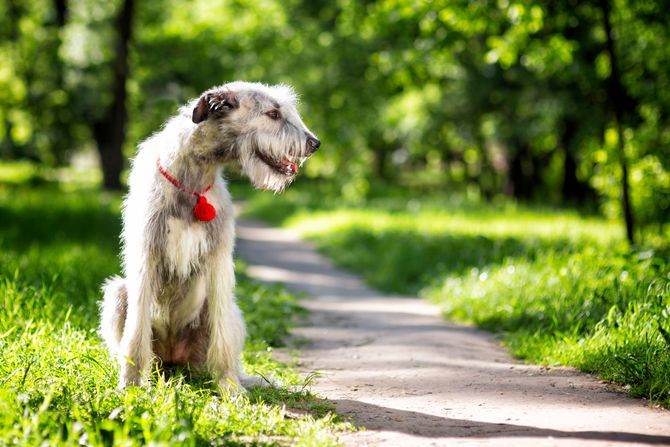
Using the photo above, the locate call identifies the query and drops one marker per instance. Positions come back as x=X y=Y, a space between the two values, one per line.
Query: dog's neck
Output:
x=191 y=160
x=191 y=171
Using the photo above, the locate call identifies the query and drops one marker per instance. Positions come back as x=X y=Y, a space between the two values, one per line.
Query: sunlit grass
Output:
x=509 y=222
x=69 y=177
x=405 y=251
x=58 y=383
x=314 y=211
x=17 y=172
x=562 y=288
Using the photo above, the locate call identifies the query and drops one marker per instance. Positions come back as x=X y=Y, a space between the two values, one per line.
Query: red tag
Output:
x=204 y=211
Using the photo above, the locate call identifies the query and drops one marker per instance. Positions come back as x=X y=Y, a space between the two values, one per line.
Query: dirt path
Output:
x=394 y=366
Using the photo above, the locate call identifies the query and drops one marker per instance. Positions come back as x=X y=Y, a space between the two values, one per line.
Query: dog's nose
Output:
x=312 y=144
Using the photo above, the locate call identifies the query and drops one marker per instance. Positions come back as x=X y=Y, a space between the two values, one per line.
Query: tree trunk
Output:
x=487 y=175
x=520 y=177
x=617 y=96
x=380 y=162
x=60 y=128
x=573 y=189
x=61 y=9
x=110 y=130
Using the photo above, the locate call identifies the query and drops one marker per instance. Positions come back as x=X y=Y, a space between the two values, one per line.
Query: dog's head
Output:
x=258 y=126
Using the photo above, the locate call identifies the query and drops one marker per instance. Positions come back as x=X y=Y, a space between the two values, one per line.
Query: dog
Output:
x=175 y=301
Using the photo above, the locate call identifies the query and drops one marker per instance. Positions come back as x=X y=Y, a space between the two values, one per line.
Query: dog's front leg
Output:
x=135 y=348
x=226 y=326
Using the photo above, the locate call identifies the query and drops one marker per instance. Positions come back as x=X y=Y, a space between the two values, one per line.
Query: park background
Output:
x=509 y=160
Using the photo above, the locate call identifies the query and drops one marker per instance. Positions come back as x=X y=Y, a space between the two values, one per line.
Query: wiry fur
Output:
x=176 y=300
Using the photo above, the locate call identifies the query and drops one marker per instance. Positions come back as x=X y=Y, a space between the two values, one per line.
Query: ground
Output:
x=393 y=366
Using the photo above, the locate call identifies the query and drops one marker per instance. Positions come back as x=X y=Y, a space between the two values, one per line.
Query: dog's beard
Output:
x=272 y=167
x=264 y=176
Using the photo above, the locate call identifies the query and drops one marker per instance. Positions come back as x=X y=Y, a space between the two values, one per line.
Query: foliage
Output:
x=483 y=97
x=562 y=288
x=58 y=383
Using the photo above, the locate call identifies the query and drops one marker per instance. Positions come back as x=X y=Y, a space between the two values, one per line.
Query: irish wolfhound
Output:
x=176 y=300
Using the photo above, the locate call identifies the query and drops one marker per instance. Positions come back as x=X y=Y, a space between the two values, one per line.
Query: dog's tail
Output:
x=113 y=310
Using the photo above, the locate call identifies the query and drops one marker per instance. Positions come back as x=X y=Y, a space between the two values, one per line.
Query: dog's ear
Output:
x=211 y=103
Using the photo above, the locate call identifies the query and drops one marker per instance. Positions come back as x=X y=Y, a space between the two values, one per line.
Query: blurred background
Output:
x=562 y=103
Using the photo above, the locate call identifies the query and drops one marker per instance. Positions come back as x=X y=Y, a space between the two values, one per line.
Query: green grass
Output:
x=561 y=288
x=57 y=382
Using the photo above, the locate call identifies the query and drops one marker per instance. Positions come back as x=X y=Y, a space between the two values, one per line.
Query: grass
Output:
x=57 y=382
x=562 y=288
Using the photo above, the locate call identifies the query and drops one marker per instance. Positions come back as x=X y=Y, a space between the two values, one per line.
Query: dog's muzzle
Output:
x=312 y=145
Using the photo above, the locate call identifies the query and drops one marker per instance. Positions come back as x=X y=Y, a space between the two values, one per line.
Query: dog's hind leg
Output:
x=113 y=310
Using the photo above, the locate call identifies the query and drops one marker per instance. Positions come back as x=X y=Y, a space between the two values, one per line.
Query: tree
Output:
x=618 y=97
x=531 y=98
x=109 y=130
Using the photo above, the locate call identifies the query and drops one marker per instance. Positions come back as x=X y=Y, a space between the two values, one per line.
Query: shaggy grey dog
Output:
x=176 y=300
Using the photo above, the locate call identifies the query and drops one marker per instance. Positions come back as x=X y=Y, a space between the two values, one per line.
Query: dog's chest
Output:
x=186 y=244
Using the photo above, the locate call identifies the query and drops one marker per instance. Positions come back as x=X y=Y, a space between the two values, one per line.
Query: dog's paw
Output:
x=130 y=376
x=126 y=381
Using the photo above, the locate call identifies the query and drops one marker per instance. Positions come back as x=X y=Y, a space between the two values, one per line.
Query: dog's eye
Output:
x=273 y=114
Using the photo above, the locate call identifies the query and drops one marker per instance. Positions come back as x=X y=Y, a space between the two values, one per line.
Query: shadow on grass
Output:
x=48 y=217
x=296 y=402
x=55 y=249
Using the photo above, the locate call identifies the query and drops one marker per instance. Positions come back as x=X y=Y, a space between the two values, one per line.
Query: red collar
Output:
x=203 y=211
